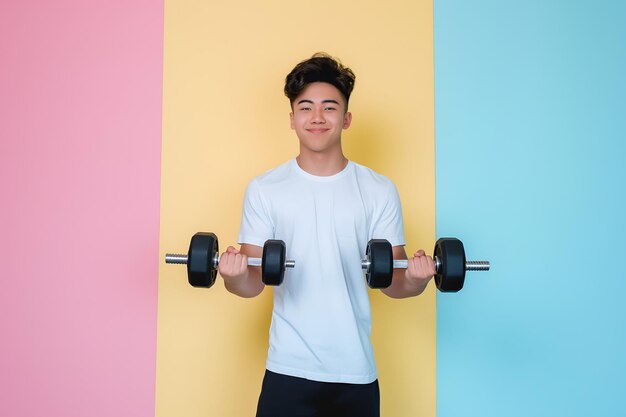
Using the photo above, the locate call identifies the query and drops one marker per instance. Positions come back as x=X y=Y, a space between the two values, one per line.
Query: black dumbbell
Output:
x=202 y=260
x=449 y=257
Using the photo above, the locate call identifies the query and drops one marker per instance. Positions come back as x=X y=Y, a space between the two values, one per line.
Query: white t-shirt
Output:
x=321 y=320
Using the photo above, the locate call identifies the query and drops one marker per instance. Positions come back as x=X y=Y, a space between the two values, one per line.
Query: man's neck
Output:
x=320 y=164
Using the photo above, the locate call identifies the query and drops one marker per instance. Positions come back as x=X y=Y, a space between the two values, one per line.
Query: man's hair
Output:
x=321 y=67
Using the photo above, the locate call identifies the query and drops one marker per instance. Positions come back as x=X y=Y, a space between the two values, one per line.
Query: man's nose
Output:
x=318 y=116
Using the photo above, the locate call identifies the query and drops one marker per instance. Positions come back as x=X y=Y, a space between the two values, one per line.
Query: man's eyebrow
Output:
x=305 y=100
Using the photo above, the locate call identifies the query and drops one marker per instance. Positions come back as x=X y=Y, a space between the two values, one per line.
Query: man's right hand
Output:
x=239 y=278
x=233 y=266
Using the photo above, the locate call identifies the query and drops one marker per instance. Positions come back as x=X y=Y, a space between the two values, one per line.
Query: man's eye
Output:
x=329 y=108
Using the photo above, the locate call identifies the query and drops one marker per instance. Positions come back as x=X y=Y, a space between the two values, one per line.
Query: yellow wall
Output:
x=225 y=120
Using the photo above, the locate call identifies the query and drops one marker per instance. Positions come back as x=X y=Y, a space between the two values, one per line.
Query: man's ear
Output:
x=347 y=119
x=291 y=120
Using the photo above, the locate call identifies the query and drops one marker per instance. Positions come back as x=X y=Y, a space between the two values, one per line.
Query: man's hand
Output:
x=240 y=279
x=420 y=270
x=233 y=267
x=413 y=280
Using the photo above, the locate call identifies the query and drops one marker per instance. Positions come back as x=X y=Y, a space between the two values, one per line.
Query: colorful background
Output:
x=127 y=126
x=531 y=166
x=226 y=120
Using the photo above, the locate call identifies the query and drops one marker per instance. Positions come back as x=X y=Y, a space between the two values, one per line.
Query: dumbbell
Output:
x=202 y=260
x=449 y=257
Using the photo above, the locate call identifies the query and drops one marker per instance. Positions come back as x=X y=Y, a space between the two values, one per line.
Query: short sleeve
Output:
x=256 y=223
x=389 y=224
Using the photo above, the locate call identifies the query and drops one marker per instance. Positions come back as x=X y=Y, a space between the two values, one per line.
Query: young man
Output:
x=326 y=208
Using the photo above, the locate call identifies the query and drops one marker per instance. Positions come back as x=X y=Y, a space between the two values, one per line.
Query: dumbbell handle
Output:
x=404 y=263
x=177 y=258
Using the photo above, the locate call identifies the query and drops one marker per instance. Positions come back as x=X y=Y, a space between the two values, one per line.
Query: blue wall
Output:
x=530 y=104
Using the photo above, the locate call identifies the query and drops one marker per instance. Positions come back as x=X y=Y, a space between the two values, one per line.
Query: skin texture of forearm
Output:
x=247 y=286
x=401 y=287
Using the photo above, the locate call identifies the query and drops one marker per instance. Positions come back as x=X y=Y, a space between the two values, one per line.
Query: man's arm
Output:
x=413 y=280
x=239 y=278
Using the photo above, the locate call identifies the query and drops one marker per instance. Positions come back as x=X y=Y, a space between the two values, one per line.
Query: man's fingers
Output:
x=421 y=265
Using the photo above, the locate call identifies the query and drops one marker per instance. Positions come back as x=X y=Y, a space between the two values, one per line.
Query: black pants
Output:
x=288 y=396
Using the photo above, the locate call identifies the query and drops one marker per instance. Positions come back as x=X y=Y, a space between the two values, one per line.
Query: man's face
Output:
x=318 y=117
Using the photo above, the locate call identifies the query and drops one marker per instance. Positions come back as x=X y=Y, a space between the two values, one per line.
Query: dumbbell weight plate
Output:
x=200 y=269
x=273 y=262
x=380 y=256
x=451 y=274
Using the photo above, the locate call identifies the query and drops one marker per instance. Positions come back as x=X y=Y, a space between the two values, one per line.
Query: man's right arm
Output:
x=239 y=278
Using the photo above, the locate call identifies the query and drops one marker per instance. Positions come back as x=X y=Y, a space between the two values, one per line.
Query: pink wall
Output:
x=80 y=142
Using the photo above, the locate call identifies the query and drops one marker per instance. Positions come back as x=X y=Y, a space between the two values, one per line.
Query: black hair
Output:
x=321 y=67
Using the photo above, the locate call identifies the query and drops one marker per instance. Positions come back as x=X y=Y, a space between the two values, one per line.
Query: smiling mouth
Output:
x=317 y=130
